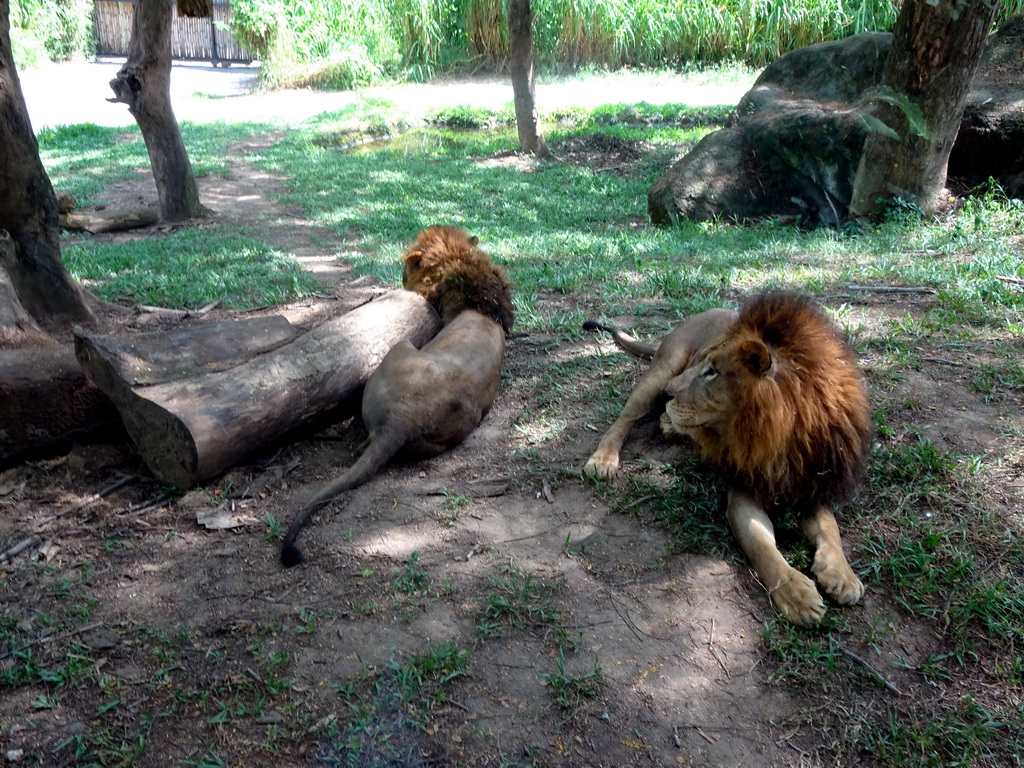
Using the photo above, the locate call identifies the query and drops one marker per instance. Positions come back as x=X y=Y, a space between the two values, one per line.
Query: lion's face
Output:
x=707 y=395
x=438 y=250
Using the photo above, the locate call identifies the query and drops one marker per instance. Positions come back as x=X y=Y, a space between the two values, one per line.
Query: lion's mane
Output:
x=449 y=270
x=801 y=428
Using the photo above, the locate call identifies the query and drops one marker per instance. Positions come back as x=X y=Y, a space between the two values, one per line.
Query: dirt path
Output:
x=78 y=92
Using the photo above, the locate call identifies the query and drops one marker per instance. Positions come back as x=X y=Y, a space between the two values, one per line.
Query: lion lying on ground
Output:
x=422 y=402
x=772 y=397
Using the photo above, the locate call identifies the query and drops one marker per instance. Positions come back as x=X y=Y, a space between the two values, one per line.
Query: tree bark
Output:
x=144 y=84
x=199 y=424
x=28 y=209
x=17 y=327
x=934 y=55
x=158 y=357
x=520 y=32
x=46 y=402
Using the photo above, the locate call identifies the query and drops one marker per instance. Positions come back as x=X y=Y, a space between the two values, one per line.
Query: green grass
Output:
x=565 y=228
x=189 y=269
x=570 y=691
x=413 y=579
x=86 y=160
x=518 y=599
x=387 y=711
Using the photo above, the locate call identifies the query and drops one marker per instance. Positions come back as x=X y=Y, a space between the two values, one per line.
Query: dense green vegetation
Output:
x=341 y=43
x=54 y=30
x=347 y=43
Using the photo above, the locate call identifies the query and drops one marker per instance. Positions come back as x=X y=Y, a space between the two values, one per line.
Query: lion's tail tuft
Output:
x=594 y=325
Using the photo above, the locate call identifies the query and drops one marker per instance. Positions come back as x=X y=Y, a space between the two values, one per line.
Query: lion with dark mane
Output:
x=420 y=402
x=773 y=399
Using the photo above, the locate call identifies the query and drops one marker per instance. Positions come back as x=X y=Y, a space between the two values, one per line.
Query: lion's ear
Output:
x=755 y=356
x=474 y=240
x=413 y=258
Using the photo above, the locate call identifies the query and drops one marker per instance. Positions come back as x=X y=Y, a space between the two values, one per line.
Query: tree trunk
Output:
x=199 y=423
x=28 y=209
x=934 y=55
x=46 y=402
x=17 y=327
x=520 y=32
x=144 y=84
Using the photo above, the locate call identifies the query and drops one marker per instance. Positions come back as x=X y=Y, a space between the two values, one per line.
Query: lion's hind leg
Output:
x=794 y=595
x=830 y=567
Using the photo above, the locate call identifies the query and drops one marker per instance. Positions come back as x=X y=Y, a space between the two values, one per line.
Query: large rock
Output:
x=990 y=143
x=793 y=143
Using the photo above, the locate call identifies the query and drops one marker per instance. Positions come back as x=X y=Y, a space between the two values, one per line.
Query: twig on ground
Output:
x=703 y=735
x=11 y=552
x=891 y=288
x=624 y=615
x=714 y=651
x=89 y=500
x=46 y=636
x=878 y=675
x=148 y=506
x=635 y=502
x=179 y=313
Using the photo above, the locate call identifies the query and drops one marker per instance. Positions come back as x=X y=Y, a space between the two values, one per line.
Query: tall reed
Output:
x=372 y=39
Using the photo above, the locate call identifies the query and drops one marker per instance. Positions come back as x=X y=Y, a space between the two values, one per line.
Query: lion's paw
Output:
x=798 y=600
x=837 y=578
x=602 y=465
x=667 y=430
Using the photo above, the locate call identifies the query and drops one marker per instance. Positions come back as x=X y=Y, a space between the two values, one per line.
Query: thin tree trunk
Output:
x=144 y=84
x=934 y=55
x=520 y=29
x=28 y=209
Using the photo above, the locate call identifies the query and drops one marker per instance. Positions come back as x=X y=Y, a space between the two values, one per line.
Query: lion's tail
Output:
x=626 y=342
x=381 y=449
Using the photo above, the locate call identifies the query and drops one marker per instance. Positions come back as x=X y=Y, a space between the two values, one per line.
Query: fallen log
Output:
x=190 y=429
x=46 y=401
x=109 y=221
x=158 y=357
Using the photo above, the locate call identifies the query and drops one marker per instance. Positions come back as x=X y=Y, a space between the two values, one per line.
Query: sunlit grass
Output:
x=190 y=268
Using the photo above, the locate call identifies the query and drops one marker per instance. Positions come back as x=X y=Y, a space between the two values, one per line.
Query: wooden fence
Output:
x=192 y=39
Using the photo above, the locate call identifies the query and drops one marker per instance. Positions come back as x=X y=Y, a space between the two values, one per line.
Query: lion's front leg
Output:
x=604 y=462
x=830 y=565
x=793 y=594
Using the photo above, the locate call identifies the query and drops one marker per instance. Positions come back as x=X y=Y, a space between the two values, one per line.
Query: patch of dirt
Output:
x=677 y=637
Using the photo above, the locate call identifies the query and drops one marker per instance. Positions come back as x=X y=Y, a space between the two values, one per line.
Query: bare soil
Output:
x=167 y=608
